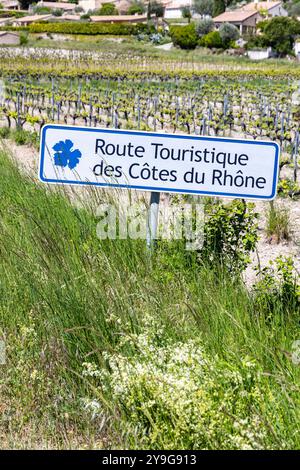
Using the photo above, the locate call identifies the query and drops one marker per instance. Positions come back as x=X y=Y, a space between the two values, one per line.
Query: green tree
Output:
x=204 y=27
x=156 y=8
x=280 y=33
x=203 y=7
x=184 y=36
x=107 y=9
x=136 y=7
x=24 y=4
x=186 y=13
x=212 y=40
x=228 y=33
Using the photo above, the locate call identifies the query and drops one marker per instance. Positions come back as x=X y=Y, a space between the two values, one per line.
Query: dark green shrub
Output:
x=204 y=27
x=278 y=287
x=122 y=29
x=212 y=40
x=184 y=36
x=107 y=9
x=4 y=132
x=137 y=8
x=230 y=234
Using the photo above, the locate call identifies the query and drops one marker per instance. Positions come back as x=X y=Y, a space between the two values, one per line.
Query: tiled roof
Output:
x=237 y=16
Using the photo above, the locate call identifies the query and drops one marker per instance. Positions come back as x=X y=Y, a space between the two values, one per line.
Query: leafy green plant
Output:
x=278 y=222
x=212 y=40
x=184 y=36
x=230 y=234
x=88 y=28
x=107 y=9
x=278 y=288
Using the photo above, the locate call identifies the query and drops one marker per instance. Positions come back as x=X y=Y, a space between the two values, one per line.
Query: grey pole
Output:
x=152 y=220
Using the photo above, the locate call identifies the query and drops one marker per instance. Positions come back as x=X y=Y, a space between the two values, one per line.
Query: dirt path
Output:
x=267 y=249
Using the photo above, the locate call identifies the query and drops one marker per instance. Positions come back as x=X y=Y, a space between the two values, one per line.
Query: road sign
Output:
x=149 y=161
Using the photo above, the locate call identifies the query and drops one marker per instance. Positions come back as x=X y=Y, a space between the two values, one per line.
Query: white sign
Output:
x=159 y=162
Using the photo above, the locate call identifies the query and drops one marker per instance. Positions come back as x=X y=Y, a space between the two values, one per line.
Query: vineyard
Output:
x=110 y=346
x=248 y=106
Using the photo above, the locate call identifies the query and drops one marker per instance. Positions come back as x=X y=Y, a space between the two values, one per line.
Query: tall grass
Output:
x=87 y=319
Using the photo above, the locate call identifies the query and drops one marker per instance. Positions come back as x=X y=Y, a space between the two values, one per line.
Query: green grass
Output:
x=108 y=348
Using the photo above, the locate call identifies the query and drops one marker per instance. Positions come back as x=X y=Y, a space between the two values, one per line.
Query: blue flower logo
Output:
x=65 y=156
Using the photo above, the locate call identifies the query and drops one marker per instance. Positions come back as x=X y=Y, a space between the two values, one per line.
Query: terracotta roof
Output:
x=237 y=16
x=260 y=6
x=2 y=33
x=33 y=18
x=119 y=18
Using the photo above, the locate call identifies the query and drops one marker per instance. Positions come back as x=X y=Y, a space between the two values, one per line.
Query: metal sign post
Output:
x=152 y=220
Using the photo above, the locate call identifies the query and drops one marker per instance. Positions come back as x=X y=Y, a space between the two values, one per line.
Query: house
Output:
x=245 y=21
x=64 y=6
x=10 y=5
x=246 y=17
x=93 y=5
x=9 y=38
x=173 y=8
x=27 y=20
x=119 y=19
x=5 y=21
x=66 y=17
x=90 y=5
x=269 y=8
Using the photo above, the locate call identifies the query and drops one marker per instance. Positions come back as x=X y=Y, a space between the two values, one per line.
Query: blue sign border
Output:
x=155 y=134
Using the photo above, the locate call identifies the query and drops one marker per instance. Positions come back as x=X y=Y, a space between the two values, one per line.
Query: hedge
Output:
x=184 y=36
x=118 y=29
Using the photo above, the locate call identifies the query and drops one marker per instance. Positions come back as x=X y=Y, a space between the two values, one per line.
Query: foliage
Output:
x=88 y=28
x=156 y=8
x=24 y=4
x=107 y=351
x=107 y=9
x=220 y=6
x=228 y=33
x=57 y=12
x=40 y=10
x=203 y=7
x=23 y=38
x=288 y=187
x=137 y=7
x=212 y=40
x=230 y=234
x=278 y=222
x=176 y=396
x=280 y=33
x=204 y=27
x=186 y=13
x=184 y=36
x=278 y=288
x=293 y=8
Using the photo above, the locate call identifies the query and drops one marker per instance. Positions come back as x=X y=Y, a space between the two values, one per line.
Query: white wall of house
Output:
x=9 y=39
x=173 y=13
x=278 y=10
x=90 y=4
x=260 y=55
x=297 y=49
